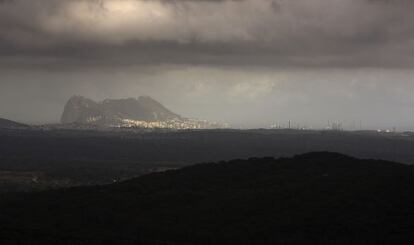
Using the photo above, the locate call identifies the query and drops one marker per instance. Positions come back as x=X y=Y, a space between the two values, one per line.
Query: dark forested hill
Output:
x=316 y=198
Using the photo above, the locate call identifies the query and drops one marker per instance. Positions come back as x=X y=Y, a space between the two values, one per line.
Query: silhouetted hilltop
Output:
x=5 y=123
x=83 y=110
x=316 y=198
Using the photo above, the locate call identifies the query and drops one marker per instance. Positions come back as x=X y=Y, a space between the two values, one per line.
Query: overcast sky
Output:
x=251 y=63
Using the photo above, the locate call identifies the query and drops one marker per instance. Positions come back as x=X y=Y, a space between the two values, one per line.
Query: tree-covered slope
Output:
x=316 y=198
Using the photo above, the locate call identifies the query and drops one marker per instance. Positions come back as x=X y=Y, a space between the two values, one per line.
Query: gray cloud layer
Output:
x=247 y=62
x=319 y=33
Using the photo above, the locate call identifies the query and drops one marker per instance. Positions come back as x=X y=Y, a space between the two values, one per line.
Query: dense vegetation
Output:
x=316 y=198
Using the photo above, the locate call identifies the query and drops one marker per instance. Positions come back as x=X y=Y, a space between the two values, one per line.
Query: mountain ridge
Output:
x=6 y=123
x=80 y=109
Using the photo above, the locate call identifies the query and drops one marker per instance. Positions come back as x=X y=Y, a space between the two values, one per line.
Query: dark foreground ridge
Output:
x=315 y=198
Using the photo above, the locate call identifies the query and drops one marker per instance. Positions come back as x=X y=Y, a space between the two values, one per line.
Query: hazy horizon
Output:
x=251 y=63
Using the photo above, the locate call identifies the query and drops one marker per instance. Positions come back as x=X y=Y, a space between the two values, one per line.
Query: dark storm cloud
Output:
x=317 y=33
